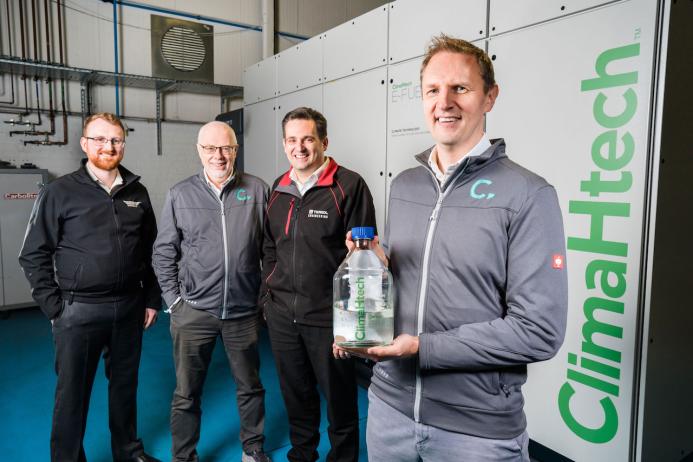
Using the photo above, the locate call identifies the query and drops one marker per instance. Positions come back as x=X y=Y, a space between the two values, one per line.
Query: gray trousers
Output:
x=393 y=437
x=194 y=335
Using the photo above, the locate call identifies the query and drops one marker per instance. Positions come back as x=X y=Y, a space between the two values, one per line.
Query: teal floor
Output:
x=27 y=382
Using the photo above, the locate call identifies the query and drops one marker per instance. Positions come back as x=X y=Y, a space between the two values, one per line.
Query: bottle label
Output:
x=360 y=303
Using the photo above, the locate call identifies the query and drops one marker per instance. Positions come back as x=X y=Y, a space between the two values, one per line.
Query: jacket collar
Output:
x=326 y=177
x=83 y=176
x=471 y=164
x=236 y=178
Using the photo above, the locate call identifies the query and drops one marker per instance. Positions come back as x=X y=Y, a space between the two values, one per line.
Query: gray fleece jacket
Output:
x=479 y=271
x=208 y=250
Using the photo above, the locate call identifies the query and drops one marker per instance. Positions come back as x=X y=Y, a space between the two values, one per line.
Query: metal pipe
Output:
x=200 y=17
x=62 y=63
x=158 y=122
x=267 y=28
x=34 y=13
x=49 y=57
x=50 y=88
x=49 y=38
x=21 y=36
x=38 y=113
x=21 y=27
x=9 y=43
x=115 y=46
x=60 y=32
x=124 y=117
x=51 y=111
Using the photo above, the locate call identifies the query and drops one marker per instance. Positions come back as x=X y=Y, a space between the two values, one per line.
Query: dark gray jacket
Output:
x=208 y=251
x=479 y=274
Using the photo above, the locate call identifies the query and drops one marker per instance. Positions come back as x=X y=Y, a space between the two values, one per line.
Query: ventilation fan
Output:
x=182 y=50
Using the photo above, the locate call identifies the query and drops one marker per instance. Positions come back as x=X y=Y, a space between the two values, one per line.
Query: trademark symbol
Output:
x=637 y=33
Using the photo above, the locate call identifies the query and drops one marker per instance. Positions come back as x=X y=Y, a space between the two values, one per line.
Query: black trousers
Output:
x=303 y=356
x=81 y=333
x=195 y=333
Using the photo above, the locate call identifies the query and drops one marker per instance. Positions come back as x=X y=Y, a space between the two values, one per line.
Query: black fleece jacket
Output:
x=304 y=241
x=84 y=244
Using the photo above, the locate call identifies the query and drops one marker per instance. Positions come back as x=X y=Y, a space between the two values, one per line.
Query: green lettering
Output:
x=592 y=326
x=618 y=269
x=612 y=161
x=605 y=80
x=619 y=120
x=595 y=185
x=595 y=242
x=599 y=435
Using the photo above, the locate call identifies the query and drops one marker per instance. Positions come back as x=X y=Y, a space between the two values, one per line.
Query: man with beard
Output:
x=207 y=258
x=87 y=255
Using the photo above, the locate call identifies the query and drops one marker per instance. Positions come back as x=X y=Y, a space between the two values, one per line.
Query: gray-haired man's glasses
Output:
x=211 y=150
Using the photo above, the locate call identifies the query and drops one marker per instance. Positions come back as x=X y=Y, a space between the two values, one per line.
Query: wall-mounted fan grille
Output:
x=183 y=48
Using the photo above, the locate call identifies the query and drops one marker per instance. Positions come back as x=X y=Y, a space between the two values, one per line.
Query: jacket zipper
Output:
x=293 y=253
x=226 y=257
x=288 y=216
x=120 y=245
x=432 y=222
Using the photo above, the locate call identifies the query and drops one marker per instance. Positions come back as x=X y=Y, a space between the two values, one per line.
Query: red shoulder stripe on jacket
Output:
x=341 y=189
x=334 y=196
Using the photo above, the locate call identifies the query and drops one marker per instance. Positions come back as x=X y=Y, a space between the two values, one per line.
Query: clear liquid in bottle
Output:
x=362 y=288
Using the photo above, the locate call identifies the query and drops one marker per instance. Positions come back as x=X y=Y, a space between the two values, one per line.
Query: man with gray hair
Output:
x=207 y=259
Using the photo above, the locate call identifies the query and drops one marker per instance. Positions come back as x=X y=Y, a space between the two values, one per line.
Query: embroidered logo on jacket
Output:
x=242 y=196
x=481 y=195
x=317 y=214
x=132 y=203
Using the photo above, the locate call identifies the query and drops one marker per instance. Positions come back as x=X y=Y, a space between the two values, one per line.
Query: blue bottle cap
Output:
x=362 y=232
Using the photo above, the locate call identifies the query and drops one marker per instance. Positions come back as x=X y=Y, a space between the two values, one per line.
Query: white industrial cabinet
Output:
x=356 y=107
x=18 y=190
x=560 y=138
x=261 y=150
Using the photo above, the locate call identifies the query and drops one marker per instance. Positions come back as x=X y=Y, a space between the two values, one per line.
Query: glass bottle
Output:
x=362 y=294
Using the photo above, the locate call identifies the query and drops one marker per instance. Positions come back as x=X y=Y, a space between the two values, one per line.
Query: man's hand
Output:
x=150 y=316
x=374 y=246
x=403 y=346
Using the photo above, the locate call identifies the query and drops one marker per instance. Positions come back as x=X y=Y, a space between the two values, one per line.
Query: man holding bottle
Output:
x=311 y=207
x=476 y=249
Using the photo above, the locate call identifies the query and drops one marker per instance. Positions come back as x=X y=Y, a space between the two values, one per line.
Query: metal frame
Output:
x=89 y=77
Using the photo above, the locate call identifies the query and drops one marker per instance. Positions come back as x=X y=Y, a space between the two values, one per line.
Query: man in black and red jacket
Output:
x=311 y=208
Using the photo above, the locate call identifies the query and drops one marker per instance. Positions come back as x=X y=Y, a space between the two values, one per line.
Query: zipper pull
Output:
x=115 y=209
x=436 y=209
